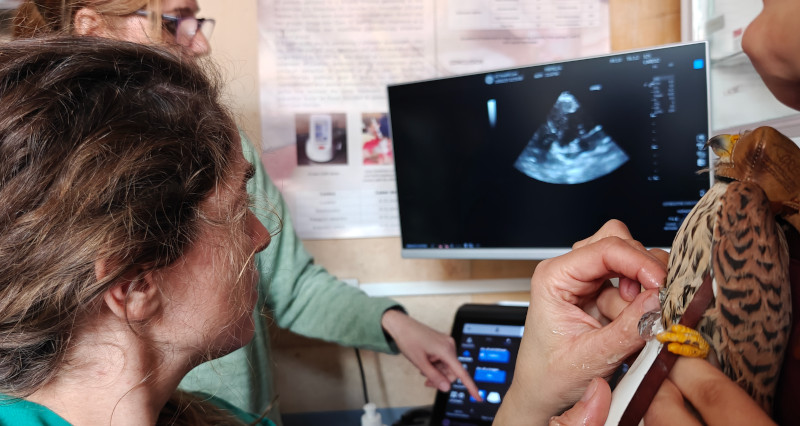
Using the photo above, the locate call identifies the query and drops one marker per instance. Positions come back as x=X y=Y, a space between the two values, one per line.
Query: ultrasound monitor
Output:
x=521 y=163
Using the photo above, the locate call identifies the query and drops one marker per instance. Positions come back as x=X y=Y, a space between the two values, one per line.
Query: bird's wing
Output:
x=753 y=308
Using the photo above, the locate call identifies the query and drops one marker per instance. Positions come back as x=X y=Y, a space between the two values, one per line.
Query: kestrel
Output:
x=732 y=235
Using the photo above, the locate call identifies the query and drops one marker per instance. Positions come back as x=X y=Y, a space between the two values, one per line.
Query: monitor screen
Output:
x=521 y=163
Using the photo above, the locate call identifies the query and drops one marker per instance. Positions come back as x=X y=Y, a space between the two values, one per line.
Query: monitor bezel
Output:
x=541 y=253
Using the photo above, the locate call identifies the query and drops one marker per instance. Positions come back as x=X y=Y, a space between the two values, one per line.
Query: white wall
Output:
x=234 y=47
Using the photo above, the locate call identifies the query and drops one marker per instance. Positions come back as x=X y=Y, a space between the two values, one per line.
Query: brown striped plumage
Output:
x=732 y=234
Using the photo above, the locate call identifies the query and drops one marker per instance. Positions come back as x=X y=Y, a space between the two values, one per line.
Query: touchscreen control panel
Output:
x=489 y=353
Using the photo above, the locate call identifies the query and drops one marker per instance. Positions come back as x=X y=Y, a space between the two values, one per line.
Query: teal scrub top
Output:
x=19 y=412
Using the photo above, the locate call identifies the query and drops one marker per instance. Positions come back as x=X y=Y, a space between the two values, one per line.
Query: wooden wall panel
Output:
x=642 y=23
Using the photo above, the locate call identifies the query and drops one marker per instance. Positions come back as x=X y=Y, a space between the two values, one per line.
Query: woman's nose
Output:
x=258 y=232
x=199 y=45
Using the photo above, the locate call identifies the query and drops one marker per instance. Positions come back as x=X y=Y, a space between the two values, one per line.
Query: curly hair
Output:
x=107 y=148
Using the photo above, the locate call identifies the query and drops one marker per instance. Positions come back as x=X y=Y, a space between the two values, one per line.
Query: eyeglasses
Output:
x=184 y=29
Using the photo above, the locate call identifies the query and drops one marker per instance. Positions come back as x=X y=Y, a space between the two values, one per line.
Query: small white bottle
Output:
x=371 y=416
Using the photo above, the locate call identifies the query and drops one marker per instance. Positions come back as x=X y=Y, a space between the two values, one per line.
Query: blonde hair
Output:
x=36 y=18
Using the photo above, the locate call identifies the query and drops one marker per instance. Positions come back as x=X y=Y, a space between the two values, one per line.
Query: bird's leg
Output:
x=684 y=341
x=681 y=340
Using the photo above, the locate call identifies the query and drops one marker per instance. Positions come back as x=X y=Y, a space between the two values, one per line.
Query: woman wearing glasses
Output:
x=293 y=292
x=130 y=20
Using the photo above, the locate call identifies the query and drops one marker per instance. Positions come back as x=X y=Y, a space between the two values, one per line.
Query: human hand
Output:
x=717 y=399
x=591 y=409
x=434 y=353
x=610 y=303
x=563 y=347
x=771 y=42
x=628 y=288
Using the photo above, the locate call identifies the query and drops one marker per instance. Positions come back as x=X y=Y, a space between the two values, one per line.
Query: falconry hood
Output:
x=768 y=158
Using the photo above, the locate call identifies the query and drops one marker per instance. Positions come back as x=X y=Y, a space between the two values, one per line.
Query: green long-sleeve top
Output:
x=297 y=295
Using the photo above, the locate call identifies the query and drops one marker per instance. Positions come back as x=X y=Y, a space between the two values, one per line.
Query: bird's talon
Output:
x=684 y=341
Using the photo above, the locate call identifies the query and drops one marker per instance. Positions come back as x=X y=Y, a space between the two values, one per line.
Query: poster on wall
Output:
x=324 y=66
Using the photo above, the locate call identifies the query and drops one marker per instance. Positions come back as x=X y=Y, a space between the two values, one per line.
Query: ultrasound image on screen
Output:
x=542 y=156
x=569 y=147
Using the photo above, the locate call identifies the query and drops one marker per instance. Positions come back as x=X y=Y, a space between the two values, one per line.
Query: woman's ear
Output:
x=133 y=297
x=89 y=22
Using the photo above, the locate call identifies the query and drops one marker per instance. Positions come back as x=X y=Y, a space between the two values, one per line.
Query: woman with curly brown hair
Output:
x=126 y=236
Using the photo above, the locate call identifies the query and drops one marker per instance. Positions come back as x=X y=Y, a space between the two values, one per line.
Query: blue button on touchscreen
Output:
x=499 y=355
x=490 y=375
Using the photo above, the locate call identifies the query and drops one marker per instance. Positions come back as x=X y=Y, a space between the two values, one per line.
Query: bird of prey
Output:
x=732 y=235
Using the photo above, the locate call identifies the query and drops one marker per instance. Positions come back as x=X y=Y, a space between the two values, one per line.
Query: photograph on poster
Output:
x=377 y=147
x=321 y=138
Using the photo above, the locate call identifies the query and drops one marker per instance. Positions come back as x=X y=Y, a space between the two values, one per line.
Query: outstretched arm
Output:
x=301 y=296
x=306 y=299
x=432 y=352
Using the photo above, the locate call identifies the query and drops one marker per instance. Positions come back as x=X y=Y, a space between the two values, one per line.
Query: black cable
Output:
x=363 y=379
